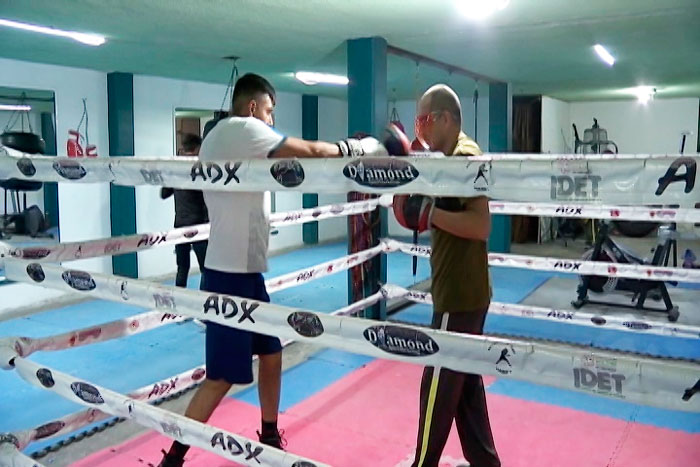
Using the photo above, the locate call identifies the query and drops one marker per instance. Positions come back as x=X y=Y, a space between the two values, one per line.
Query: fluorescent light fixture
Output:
x=604 y=54
x=310 y=78
x=21 y=108
x=644 y=93
x=480 y=9
x=89 y=39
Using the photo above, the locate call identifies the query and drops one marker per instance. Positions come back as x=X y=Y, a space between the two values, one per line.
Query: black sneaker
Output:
x=276 y=439
x=170 y=460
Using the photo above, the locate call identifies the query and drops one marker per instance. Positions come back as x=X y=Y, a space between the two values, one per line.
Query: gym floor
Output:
x=323 y=389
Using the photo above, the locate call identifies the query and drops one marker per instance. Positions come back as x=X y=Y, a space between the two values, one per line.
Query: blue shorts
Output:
x=229 y=351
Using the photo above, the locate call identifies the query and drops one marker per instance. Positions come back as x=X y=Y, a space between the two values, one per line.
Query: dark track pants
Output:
x=182 y=258
x=447 y=395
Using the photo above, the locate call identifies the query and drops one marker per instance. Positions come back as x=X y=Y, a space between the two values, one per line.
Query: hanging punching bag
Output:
x=218 y=116
x=23 y=141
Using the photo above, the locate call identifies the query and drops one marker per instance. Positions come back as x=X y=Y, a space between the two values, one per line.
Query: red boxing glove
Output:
x=416 y=145
x=413 y=211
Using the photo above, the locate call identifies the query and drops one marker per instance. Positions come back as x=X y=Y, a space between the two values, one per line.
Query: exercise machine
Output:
x=606 y=249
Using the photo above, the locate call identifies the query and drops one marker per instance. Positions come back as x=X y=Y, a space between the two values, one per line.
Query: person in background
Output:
x=190 y=209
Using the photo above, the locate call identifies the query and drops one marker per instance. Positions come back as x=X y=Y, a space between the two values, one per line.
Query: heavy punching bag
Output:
x=23 y=141
x=218 y=116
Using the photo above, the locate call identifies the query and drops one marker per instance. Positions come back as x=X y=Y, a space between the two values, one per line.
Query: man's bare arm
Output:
x=295 y=147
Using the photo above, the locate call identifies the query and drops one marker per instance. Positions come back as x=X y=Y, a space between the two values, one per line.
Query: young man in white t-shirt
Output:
x=237 y=252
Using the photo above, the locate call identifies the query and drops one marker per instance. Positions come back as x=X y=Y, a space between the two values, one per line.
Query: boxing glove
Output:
x=413 y=212
x=395 y=143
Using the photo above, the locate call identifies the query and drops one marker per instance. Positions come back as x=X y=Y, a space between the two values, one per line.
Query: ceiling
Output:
x=542 y=46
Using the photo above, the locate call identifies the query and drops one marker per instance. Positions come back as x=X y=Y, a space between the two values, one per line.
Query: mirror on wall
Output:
x=190 y=121
x=28 y=210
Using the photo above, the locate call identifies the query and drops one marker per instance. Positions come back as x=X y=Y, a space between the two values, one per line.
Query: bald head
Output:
x=441 y=98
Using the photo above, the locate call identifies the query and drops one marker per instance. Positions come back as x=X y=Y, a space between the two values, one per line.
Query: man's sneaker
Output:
x=170 y=460
x=276 y=440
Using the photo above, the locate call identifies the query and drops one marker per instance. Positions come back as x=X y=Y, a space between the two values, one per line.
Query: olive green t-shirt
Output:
x=460 y=274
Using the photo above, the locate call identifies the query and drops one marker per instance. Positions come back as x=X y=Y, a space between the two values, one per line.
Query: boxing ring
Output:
x=602 y=187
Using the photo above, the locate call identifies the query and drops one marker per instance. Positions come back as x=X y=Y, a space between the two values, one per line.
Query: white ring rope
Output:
x=10 y=456
x=567 y=316
x=137 y=324
x=571 y=266
x=582 y=318
x=281 y=219
x=140 y=242
x=153 y=319
x=616 y=179
x=185 y=430
x=591 y=211
x=649 y=381
x=318 y=271
x=75 y=421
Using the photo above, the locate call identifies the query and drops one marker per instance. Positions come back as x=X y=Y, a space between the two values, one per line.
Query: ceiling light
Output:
x=310 y=78
x=480 y=9
x=21 y=108
x=89 y=39
x=604 y=54
x=644 y=93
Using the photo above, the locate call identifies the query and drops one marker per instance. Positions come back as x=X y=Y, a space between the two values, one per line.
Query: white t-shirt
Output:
x=240 y=228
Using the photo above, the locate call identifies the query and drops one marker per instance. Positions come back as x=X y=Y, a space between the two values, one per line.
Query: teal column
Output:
x=48 y=133
x=120 y=121
x=367 y=113
x=500 y=140
x=309 y=131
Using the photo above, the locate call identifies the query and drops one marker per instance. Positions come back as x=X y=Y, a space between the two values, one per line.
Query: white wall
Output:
x=648 y=129
x=557 y=134
x=636 y=128
x=83 y=208
x=332 y=126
